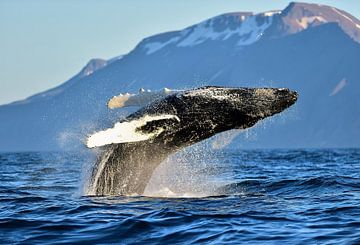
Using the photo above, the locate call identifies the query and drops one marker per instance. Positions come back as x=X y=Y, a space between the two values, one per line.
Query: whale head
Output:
x=203 y=112
x=238 y=108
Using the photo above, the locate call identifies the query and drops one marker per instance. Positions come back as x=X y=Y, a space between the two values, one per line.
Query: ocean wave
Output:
x=256 y=197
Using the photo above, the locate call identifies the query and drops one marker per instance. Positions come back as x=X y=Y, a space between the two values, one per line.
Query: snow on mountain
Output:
x=298 y=48
x=300 y=16
x=92 y=66
x=248 y=28
x=245 y=27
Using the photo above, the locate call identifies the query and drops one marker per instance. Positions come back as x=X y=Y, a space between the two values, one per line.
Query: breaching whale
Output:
x=139 y=143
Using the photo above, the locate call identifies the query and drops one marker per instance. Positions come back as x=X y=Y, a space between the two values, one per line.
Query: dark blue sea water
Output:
x=267 y=197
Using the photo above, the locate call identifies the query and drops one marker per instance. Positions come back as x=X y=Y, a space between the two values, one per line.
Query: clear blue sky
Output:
x=45 y=42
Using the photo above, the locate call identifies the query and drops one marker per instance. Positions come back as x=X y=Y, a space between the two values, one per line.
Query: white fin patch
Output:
x=124 y=132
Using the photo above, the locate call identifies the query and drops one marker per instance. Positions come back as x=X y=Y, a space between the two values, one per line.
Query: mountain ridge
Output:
x=279 y=13
x=308 y=60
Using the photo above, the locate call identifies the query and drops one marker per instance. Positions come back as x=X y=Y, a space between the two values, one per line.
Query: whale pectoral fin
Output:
x=158 y=126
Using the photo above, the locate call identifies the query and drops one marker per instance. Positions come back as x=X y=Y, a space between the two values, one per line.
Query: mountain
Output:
x=314 y=49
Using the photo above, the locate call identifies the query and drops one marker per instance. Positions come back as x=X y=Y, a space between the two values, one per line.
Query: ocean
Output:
x=307 y=196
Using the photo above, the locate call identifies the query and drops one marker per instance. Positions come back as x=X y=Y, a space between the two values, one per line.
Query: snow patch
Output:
x=343 y=15
x=306 y=21
x=88 y=72
x=338 y=87
x=124 y=132
x=155 y=46
x=252 y=31
x=249 y=32
x=271 y=13
x=217 y=74
x=116 y=58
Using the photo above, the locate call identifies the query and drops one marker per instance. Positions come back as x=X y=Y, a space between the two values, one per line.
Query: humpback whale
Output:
x=138 y=144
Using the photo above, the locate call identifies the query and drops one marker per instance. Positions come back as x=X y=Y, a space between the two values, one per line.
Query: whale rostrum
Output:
x=134 y=147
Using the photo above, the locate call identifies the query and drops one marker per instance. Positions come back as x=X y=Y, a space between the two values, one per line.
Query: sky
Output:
x=43 y=43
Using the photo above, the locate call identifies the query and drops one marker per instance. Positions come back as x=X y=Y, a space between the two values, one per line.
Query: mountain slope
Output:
x=311 y=48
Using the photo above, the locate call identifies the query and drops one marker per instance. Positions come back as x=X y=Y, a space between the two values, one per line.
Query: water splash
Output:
x=92 y=175
x=189 y=173
x=224 y=139
x=193 y=172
